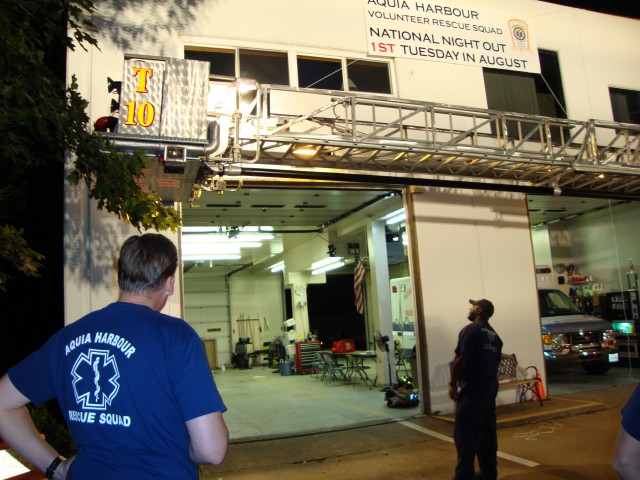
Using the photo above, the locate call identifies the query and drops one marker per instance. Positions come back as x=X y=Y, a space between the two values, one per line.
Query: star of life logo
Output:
x=95 y=379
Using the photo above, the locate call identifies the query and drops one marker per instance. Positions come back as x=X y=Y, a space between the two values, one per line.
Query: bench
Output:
x=508 y=377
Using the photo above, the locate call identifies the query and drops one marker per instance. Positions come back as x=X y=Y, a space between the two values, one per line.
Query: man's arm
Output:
x=457 y=367
x=19 y=432
x=626 y=459
x=209 y=438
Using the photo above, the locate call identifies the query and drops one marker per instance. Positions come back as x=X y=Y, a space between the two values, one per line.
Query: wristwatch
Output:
x=51 y=469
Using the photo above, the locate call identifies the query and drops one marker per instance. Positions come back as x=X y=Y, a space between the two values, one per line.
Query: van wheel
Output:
x=596 y=369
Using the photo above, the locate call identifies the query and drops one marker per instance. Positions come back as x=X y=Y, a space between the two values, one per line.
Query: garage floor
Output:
x=264 y=404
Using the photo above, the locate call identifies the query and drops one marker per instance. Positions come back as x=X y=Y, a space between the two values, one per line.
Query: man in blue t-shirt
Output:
x=474 y=386
x=133 y=384
x=626 y=459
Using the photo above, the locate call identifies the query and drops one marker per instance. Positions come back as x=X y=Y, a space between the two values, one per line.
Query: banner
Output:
x=451 y=33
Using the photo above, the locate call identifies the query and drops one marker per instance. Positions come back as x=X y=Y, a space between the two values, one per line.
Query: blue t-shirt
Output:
x=482 y=347
x=127 y=378
x=631 y=414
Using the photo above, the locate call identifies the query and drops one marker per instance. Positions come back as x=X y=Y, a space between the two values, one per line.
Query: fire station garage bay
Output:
x=351 y=173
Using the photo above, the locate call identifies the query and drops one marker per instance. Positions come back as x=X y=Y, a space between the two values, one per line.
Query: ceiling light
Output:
x=277 y=267
x=395 y=213
x=210 y=256
x=209 y=248
x=396 y=219
x=326 y=261
x=326 y=268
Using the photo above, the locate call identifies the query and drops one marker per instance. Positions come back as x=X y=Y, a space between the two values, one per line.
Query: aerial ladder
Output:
x=215 y=134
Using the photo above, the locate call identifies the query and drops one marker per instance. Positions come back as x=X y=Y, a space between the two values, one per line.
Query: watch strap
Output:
x=51 y=469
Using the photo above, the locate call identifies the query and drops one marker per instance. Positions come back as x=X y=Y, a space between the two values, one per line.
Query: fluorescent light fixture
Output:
x=395 y=213
x=254 y=237
x=210 y=256
x=277 y=267
x=326 y=268
x=219 y=246
x=325 y=261
x=209 y=248
x=397 y=219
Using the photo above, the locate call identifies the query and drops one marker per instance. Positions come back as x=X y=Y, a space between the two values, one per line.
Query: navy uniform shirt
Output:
x=482 y=347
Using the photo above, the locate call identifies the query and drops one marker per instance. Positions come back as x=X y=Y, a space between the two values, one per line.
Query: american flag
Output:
x=358 y=281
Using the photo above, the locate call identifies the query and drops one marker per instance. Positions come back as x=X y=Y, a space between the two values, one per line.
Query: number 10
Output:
x=145 y=114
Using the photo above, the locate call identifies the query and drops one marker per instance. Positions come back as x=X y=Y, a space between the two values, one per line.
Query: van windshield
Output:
x=554 y=303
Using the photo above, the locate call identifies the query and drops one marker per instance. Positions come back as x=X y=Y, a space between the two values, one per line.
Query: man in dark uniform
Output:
x=474 y=386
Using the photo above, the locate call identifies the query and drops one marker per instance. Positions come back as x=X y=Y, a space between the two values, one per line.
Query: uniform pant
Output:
x=475 y=429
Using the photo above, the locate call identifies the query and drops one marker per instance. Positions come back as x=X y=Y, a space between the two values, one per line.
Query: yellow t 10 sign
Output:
x=164 y=97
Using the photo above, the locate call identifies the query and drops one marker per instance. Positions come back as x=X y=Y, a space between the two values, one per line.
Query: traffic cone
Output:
x=539 y=386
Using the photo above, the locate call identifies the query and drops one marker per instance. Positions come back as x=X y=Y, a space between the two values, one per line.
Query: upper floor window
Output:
x=521 y=92
x=222 y=61
x=264 y=66
x=625 y=105
x=317 y=72
x=368 y=76
x=272 y=67
x=334 y=73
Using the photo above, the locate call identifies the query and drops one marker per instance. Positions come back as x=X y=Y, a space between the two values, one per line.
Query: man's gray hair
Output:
x=145 y=263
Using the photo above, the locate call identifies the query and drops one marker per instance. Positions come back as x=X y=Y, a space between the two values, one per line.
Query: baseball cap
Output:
x=485 y=305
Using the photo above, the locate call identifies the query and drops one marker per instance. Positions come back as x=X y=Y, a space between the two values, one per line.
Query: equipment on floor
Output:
x=345 y=345
x=382 y=342
x=277 y=352
x=402 y=393
x=241 y=357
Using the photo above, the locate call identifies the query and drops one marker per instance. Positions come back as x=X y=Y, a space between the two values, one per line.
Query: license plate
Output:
x=613 y=357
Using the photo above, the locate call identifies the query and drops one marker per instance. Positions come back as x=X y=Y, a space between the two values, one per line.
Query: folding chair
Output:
x=333 y=371
x=319 y=366
x=356 y=366
x=401 y=363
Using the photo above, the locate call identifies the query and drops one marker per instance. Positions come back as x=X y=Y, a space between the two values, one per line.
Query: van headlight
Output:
x=556 y=343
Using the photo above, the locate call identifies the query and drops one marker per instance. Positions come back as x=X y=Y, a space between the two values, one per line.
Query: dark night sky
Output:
x=623 y=8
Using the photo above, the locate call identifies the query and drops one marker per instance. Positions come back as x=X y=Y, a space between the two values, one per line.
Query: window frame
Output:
x=292 y=61
x=628 y=93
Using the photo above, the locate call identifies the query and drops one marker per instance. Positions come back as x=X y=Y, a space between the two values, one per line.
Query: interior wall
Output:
x=541 y=246
x=258 y=297
x=599 y=244
x=475 y=244
x=206 y=308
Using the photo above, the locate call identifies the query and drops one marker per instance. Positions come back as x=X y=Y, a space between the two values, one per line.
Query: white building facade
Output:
x=486 y=55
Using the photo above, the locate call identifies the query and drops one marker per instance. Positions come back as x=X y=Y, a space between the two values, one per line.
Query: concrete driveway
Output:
x=563 y=445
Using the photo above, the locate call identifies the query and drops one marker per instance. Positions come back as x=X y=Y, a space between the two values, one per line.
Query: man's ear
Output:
x=169 y=285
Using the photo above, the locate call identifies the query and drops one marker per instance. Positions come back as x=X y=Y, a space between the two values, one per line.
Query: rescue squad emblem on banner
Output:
x=519 y=34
